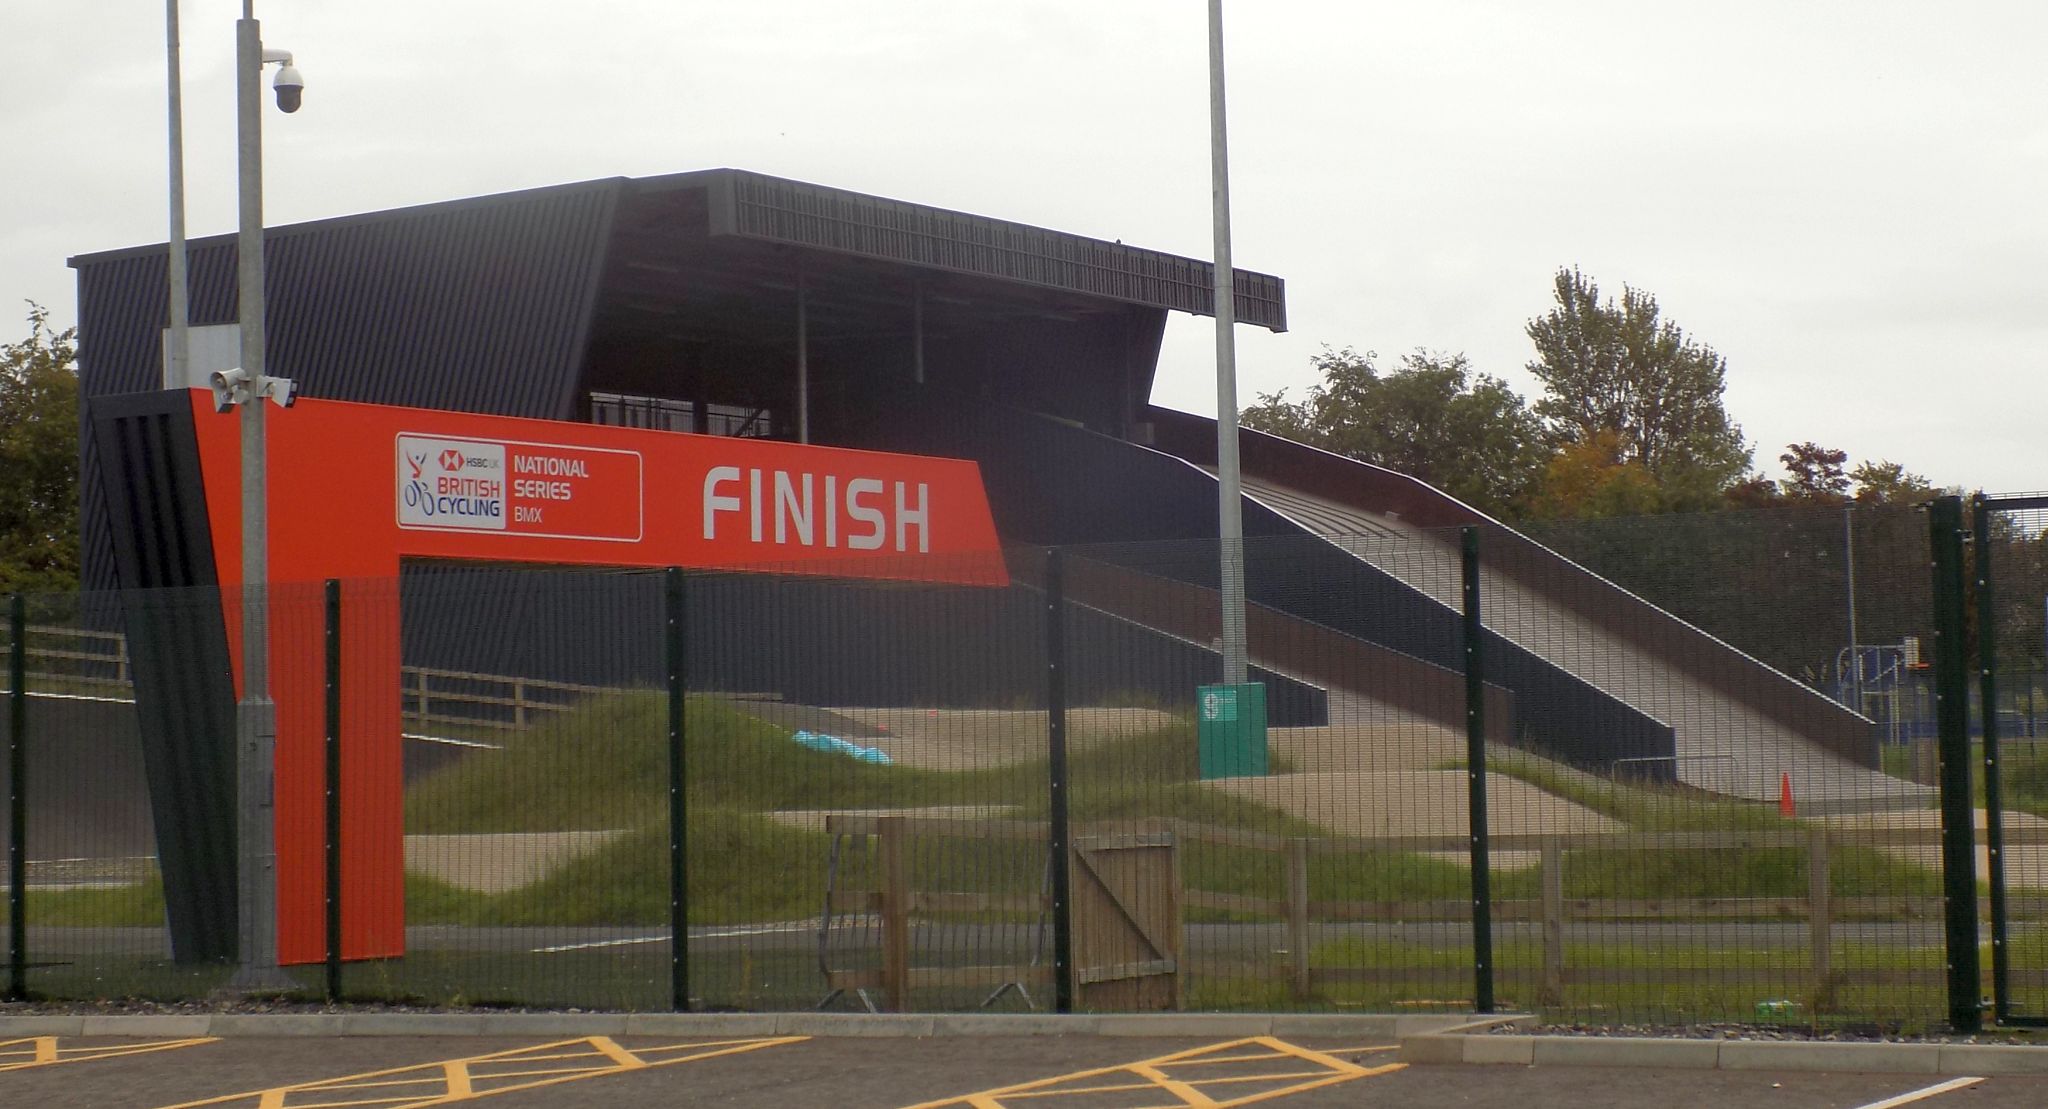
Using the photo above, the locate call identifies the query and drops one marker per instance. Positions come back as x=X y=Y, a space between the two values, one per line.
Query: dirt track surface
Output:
x=1417 y=803
x=2025 y=864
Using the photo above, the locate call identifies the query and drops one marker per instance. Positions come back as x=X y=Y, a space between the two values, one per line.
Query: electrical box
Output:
x=1230 y=730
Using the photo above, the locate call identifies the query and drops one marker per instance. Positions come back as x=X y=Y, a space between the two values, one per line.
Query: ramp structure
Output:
x=1368 y=605
x=1739 y=727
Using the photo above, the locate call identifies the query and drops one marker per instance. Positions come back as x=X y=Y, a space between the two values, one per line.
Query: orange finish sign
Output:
x=355 y=488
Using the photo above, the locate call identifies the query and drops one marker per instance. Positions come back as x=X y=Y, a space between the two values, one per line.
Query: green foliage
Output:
x=1432 y=418
x=1593 y=478
x=39 y=458
x=1622 y=368
x=1816 y=473
x=1885 y=482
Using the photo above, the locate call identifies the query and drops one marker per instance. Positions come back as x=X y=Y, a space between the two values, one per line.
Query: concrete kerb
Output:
x=1362 y=1028
x=1456 y=1047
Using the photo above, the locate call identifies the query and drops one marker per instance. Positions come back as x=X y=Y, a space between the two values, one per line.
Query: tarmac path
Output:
x=1047 y=1072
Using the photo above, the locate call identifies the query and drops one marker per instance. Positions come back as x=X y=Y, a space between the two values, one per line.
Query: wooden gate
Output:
x=1125 y=898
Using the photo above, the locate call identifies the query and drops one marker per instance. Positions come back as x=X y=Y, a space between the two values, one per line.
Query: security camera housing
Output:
x=290 y=88
x=224 y=384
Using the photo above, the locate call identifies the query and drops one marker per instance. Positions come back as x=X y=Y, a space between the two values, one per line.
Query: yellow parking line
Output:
x=46 y=1051
x=481 y=1076
x=1171 y=1074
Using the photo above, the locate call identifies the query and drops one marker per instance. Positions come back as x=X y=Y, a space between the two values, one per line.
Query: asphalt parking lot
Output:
x=1047 y=1072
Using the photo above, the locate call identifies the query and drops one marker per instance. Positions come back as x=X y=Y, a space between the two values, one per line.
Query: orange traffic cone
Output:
x=1785 y=806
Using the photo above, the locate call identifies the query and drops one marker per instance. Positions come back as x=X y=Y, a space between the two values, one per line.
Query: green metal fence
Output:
x=1674 y=769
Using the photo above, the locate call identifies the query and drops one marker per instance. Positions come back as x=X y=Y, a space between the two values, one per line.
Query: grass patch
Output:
x=605 y=765
x=1677 y=982
x=140 y=905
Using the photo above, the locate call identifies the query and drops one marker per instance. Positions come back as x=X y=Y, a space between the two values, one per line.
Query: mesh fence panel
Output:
x=1706 y=797
x=532 y=788
x=2011 y=625
x=1762 y=850
x=867 y=792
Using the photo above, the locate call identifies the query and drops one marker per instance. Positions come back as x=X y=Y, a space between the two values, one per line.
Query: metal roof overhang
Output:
x=717 y=255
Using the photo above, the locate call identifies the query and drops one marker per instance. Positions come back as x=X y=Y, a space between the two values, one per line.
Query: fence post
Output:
x=1994 y=818
x=17 y=799
x=1552 y=878
x=1297 y=913
x=895 y=915
x=1059 y=832
x=1820 y=918
x=678 y=813
x=1952 y=717
x=333 y=816
x=1475 y=771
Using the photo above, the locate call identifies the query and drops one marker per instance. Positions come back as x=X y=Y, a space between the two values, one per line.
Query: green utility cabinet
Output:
x=1230 y=730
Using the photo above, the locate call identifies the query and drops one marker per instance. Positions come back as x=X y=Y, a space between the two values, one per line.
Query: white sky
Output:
x=1846 y=199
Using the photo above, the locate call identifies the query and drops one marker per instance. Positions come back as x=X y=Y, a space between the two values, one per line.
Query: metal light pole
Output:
x=1849 y=562
x=255 y=714
x=1230 y=515
x=178 y=350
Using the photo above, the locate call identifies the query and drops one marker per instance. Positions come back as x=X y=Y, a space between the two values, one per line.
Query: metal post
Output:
x=1475 y=770
x=1952 y=717
x=1230 y=508
x=333 y=790
x=256 y=714
x=17 y=799
x=1058 y=834
x=678 y=813
x=803 y=357
x=1994 y=819
x=1849 y=562
x=178 y=353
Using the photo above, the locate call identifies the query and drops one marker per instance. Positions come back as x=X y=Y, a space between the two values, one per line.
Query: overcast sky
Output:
x=1845 y=199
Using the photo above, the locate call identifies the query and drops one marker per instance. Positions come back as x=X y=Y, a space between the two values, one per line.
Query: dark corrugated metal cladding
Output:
x=478 y=309
x=472 y=307
x=484 y=308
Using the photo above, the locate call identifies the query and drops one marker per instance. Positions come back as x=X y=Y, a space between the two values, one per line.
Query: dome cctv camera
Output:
x=290 y=88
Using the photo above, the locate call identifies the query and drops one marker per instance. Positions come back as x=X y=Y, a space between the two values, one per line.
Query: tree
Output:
x=1592 y=478
x=1816 y=471
x=1622 y=368
x=1432 y=418
x=1885 y=482
x=39 y=459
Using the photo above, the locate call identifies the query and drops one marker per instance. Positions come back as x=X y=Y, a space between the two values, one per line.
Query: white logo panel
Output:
x=451 y=484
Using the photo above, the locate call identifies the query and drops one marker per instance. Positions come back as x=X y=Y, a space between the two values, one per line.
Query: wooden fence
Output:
x=895 y=903
x=79 y=660
x=1820 y=908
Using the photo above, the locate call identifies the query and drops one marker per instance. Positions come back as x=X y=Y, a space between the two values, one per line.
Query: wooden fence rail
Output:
x=1820 y=908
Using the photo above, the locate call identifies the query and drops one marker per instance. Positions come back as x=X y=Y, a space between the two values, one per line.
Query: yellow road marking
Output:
x=45 y=1051
x=481 y=1076
x=1171 y=1074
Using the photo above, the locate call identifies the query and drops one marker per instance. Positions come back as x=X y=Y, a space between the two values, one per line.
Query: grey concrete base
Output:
x=1772 y=1055
x=1362 y=1029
